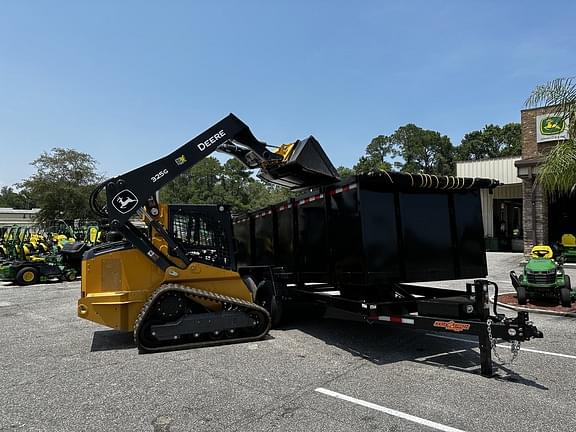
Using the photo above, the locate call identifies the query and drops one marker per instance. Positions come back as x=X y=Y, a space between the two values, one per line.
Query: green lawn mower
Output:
x=568 y=247
x=543 y=278
x=28 y=260
x=24 y=272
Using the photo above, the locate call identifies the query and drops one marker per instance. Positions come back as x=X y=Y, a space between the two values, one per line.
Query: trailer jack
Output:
x=498 y=326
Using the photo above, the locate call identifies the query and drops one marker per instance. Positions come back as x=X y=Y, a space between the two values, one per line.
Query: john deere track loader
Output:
x=176 y=286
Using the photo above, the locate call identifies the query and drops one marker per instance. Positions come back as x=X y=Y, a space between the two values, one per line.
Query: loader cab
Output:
x=204 y=233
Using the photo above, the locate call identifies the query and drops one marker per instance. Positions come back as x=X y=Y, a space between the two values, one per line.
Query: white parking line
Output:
x=506 y=346
x=451 y=338
x=541 y=352
x=389 y=411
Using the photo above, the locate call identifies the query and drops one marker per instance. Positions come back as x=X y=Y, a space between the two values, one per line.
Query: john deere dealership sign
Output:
x=551 y=127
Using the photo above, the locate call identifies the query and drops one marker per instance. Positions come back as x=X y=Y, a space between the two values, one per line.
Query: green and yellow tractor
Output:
x=543 y=278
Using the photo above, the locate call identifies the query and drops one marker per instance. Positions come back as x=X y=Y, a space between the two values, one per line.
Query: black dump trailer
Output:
x=360 y=247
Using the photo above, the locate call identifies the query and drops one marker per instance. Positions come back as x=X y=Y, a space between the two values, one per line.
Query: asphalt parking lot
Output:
x=60 y=373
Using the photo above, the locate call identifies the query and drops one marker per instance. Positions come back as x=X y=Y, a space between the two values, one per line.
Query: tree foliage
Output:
x=210 y=182
x=415 y=150
x=558 y=172
x=491 y=142
x=376 y=155
x=424 y=151
x=345 y=171
x=62 y=184
x=11 y=198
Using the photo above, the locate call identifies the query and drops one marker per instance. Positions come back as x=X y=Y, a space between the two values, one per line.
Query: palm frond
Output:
x=558 y=172
x=559 y=93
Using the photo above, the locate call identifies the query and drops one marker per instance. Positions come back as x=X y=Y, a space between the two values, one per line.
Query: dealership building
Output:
x=545 y=217
x=502 y=207
x=519 y=214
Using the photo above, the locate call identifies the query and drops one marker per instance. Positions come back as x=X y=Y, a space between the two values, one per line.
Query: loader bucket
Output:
x=304 y=165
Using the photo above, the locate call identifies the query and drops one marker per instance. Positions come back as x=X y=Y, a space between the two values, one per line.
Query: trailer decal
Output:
x=343 y=189
x=311 y=199
x=452 y=326
x=392 y=319
x=263 y=214
x=284 y=207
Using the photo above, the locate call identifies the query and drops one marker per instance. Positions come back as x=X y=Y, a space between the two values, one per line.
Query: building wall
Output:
x=535 y=201
x=512 y=191
x=9 y=216
x=501 y=169
x=530 y=148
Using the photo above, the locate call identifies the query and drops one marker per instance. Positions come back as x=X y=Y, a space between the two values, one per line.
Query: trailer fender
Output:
x=249 y=282
x=267 y=297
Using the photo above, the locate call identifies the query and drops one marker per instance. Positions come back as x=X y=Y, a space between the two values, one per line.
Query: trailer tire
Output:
x=266 y=298
x=27 y=276
x=565 y=299
x=521 y=295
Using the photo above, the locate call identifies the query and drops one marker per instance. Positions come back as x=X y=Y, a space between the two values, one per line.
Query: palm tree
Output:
x=557 y=174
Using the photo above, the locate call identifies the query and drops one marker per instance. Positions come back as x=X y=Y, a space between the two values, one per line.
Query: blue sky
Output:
x=128 y=82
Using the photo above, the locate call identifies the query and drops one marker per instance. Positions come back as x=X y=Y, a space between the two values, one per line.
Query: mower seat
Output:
x=541 y=251
x=93 y=234
x=568 y=240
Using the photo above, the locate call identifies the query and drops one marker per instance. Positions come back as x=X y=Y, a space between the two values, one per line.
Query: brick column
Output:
x=534 y=215
x=534 y=200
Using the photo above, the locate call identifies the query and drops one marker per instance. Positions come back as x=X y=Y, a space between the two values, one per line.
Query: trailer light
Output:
x=512 y=332
x=82 y=309
x=469 y=309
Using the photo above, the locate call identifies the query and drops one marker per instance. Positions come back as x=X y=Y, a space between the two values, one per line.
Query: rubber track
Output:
x=205 y=295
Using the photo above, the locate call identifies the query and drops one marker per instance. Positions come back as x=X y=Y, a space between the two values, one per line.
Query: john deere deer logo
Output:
x=125 y=201
x=552 y=125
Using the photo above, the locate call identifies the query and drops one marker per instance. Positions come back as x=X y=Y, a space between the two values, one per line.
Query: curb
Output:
x=539 y=311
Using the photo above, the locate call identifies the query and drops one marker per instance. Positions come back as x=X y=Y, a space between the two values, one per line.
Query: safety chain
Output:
x=514 y=347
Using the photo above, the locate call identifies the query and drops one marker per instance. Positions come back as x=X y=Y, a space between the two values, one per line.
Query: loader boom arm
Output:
x=126 y=193
x=129 y=193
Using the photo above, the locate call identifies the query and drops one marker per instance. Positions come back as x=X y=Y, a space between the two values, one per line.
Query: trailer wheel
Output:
x=27 y=276
x=266 y=298
x=565 y=299
x=521 y=294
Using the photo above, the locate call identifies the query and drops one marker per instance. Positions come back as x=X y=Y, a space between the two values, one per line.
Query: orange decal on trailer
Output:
x=452 y=326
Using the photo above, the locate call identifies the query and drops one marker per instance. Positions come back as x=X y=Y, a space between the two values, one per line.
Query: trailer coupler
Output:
x=518 y=329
